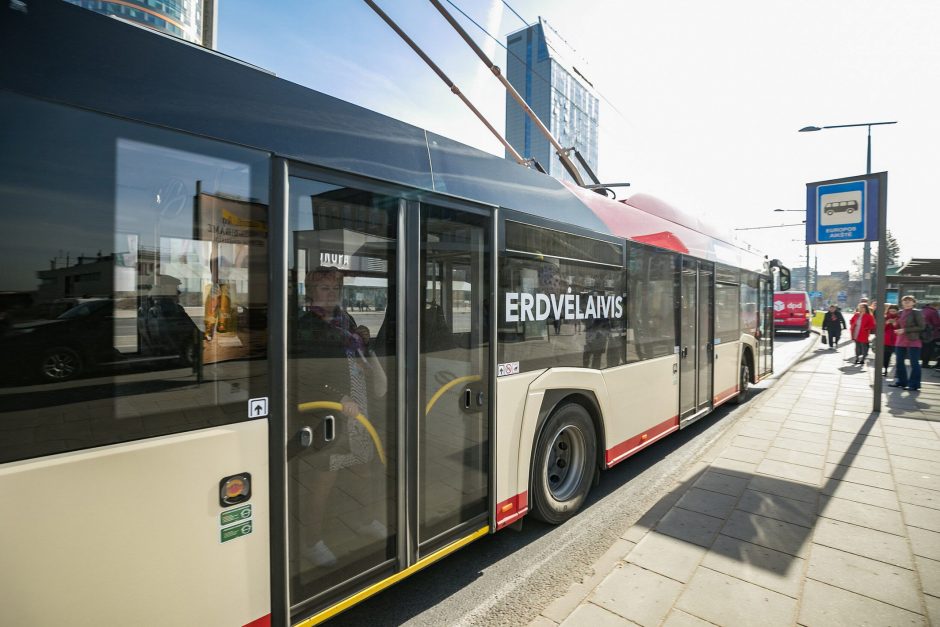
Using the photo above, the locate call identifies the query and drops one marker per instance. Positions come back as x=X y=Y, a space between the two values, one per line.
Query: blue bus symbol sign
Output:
x=841 y=212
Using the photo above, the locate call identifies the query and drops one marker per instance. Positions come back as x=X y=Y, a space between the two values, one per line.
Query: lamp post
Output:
x=866 y=254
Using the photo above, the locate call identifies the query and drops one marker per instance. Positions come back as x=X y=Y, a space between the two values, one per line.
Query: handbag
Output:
x=822 y=338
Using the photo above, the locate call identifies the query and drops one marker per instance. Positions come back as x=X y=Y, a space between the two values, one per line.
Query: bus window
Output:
x=146 y=282
x=565 y=310
x=651 y=314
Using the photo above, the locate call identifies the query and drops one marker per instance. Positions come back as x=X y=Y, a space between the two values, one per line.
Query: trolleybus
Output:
x=266 y=352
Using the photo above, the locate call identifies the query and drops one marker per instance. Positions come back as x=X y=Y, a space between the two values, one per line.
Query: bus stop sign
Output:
x=843 y=210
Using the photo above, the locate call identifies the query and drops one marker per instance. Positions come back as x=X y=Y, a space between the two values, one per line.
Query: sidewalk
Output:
x=810 y=510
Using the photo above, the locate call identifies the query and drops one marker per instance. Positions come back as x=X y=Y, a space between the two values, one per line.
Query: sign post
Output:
x=854 y=209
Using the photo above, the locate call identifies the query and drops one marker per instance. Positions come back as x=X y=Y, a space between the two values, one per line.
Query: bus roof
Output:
x=134 y=73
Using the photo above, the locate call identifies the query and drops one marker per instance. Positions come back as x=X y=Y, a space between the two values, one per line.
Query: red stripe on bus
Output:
x=264 y=621
x=625 y=449
x=512 y=509
x=724 y=396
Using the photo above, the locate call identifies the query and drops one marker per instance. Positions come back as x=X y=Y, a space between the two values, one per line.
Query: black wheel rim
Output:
x=60 y=365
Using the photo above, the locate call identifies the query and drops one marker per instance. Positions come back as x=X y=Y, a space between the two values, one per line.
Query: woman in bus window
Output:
x=862 y=324
x=343 y=371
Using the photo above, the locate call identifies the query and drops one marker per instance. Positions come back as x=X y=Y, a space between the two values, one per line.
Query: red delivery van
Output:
x=792 y=312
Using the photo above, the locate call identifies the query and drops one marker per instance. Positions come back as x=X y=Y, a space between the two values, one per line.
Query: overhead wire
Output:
x=537 y=74
x=516 y=13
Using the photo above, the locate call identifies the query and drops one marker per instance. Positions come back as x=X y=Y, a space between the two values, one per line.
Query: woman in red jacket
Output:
x=862 y=324
x=890 y=337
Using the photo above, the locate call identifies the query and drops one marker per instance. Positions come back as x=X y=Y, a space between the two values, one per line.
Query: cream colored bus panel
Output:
x=645 y=400
x=727 y=367
x=130 y=534
x=512 y=401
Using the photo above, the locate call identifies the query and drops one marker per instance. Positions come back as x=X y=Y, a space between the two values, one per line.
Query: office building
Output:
x=192 y=20
x=539 y=66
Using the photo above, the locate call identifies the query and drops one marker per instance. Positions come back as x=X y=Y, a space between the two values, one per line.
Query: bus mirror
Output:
x=784 y=279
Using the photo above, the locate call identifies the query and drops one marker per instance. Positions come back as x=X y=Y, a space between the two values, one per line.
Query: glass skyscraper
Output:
x=538 y=66
x=192 y=20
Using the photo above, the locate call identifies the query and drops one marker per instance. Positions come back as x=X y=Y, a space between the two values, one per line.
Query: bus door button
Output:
x=306 y=437
x=467 y=395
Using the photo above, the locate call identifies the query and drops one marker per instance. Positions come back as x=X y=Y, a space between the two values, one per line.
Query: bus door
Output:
x=765 y=346
x=343 y=426
x=695 y=338
x=454 y=356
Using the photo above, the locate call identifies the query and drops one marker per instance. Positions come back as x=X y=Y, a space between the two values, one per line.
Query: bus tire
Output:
x=564 y=464
x=744 y=382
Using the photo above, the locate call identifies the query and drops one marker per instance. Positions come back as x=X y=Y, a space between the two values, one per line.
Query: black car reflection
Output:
x=95 y=333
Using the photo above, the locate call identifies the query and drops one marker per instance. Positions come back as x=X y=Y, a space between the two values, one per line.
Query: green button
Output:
x=234 y=515
x=235 y=531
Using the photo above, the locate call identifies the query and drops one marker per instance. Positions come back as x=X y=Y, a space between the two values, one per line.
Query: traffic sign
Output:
x=843 y=210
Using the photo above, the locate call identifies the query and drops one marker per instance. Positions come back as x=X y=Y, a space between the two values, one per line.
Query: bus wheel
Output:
x=60 y=364
x=564 y=464
x=743 y=382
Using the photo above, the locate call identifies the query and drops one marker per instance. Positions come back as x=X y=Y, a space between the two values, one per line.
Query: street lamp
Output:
x=866 y=255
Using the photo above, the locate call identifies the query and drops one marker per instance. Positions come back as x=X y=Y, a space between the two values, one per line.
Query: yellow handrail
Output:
x=447 y=386
x=311 y=405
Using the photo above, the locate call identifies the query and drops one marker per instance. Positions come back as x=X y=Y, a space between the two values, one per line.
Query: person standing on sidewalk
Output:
x=862 y=324
x=910 y=324
x=833 y=323
x=890 y=337
x=932 y=341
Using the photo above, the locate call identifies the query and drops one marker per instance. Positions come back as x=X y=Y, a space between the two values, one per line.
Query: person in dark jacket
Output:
x=910 y=324
x=833 y=323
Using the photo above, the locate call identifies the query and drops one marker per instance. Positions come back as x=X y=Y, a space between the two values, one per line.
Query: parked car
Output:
x=86 y=336
x=792 y=312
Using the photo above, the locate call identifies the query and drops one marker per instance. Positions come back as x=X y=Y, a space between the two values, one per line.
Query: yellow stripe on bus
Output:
x=332 y=611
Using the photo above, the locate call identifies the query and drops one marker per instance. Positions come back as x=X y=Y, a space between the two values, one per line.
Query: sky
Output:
x=701 y=101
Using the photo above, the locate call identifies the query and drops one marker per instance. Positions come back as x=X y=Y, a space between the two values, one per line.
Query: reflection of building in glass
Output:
x=537 y=66
x=192 y=20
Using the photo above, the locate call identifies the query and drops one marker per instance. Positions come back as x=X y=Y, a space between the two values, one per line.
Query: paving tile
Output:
x=812 y=430
x=637 y=594
x=871 y=438
x=667 y=556
x=757 y=432
x=796 y=457
x=890 y=430
x=861 y=493
x=541 y=621
x=765 y=567
x=871 y=543
x=596 y=616
x=921 y=517
x=919 y=496
x=859 y=461
x=678 y=618
x=798 y=434
x=802 y=445
x=852 y=474
x=917 y=479
x=757 y=444
x=790 y=472
x=707 y=596
x=707 y=502
x=749 y=455
x=906 y=423
x=826 y=605
x=690 y=526
x=929 y=571
x=926 y=466
x=768 y=532
x=868 y=577
x=915 y=442
x=778 y=507
x=868 y=451
x=761 y=423
x=734 y=467
x=811 y=410
x=717 y=482
x=823 y=421
x=914 y=452
x=924 y=542
x=862 y=514
x=933 y=609
x=789 y=489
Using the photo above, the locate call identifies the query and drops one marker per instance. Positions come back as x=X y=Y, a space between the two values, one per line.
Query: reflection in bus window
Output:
x=109 y=328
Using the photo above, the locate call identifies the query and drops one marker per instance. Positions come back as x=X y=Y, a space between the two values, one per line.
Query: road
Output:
x=509 y=577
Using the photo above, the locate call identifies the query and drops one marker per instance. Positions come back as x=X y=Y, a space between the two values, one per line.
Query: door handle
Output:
x=467 y=394
x=685 y=352
x=306 y=437
x=480 y=399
